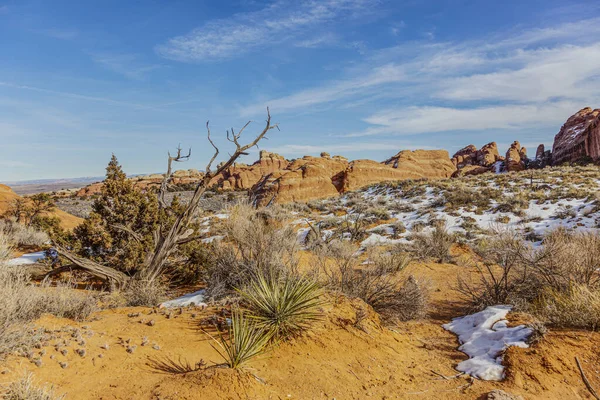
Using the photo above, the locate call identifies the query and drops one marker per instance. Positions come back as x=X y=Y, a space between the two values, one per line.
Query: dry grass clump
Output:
x=26 y=389
x=21 y=235
x=146 y=294
x=376 y=283
x=435 y=244
x=576 y=307
x=21 y=302
x=6 y=247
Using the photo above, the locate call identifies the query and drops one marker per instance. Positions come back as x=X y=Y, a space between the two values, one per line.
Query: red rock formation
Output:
x=471 y=170
x=488 y=155
x=404 y=165
x=515 y=157
x=304 y=179
x=465 y=156
x=579 y=137
x=244 y=177
x=485 y=157
x=320 y=177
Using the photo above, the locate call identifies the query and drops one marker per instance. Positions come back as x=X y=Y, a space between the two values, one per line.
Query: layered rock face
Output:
x=319 y=177
x=578 y=138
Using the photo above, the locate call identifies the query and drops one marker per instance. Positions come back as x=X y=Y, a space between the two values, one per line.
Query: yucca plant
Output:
x=285 y=307
x=245 y=341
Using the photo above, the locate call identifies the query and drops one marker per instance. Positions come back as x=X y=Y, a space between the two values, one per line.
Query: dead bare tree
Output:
x=167 y=238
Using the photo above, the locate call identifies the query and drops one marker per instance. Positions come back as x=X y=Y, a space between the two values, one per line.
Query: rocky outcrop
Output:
x=488 y=155
x=407 y=164
x=244 y=177
x=516 y=157
x=476 y=161
x=303 y=179
x=543 y=158
x=578 y=138
x=465 y=156
x=319 y=177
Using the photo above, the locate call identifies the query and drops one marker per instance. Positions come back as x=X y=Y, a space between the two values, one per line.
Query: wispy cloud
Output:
x=278 y=22
x=62 y=34
x=527 y=79
x=127 y=65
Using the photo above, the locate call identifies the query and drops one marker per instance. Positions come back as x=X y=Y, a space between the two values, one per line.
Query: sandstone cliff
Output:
x=578 y=138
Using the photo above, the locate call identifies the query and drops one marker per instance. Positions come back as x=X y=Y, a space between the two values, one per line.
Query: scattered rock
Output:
x=498 y=394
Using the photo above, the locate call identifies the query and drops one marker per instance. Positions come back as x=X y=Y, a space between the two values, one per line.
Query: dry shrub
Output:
x=558 y=281
x=146 y=294
x=21 y=235
x=435 y=244
x=5 y=247
x=576 y=307
x=375 y=284
x=26 y=389
x=21 y=302
x=256 y=241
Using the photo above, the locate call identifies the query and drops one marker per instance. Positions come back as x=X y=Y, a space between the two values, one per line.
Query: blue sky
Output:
x=80 y=80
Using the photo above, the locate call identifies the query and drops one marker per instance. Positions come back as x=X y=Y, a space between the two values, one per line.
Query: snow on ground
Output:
x=483 y=337
x=196 y=298
x=30 y=258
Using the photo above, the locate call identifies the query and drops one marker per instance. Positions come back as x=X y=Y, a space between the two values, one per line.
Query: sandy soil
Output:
x=341 y=358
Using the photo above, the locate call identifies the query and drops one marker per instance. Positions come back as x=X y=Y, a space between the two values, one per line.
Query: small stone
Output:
x=151 y=322
x=64 y=352
x=63 y=365
x=37 y=362
x=156 y=347
x=131 y=349
x=81 y=352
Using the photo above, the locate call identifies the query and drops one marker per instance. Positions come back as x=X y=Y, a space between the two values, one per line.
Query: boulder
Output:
x=498 y=394
x=578 y=138
x=244 y=177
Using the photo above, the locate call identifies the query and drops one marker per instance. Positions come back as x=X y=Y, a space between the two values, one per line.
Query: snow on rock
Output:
x=483 y=337
x=30 y=258
x=196 y=298
x=212 y=239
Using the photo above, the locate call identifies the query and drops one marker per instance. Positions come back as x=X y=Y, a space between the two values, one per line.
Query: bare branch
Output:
x=128 y=230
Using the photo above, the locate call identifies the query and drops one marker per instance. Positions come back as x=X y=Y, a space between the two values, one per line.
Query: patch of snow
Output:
x=211 y=239
x=483 y=337
x=221 y=216
x=30 y=258
x=196 y=298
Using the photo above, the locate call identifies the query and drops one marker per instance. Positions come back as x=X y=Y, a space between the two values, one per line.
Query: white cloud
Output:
x=127 y=65
x=231 y=37
x=531 y=79
x=414 y=120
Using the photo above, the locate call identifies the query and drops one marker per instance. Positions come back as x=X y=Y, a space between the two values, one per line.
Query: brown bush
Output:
x=375 y=284
x=26 y=389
